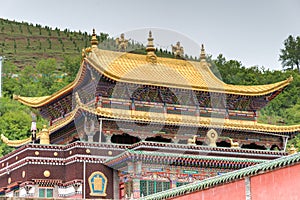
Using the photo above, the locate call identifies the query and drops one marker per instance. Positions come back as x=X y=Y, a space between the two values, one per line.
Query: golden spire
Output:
x=150 y=46
x=202 y=54
x=94 y=41
x=151 y=57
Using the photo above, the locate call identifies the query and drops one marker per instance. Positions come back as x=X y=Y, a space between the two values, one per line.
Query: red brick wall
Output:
x=280 y=184
x=275 y=185
x=231 y=191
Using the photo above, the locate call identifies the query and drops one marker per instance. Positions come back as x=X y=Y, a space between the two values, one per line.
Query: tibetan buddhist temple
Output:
x=132 y=125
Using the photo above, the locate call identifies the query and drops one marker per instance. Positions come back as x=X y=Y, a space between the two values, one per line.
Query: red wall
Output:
x=280 y=184
x=231 y=191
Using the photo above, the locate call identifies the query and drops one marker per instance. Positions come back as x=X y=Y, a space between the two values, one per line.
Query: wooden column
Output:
x=100 y=130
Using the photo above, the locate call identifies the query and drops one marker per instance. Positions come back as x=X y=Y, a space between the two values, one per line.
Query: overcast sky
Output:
x=249 y=31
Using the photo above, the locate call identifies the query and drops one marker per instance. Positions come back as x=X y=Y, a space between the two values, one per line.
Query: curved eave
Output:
x=36 y=102
x=16 y=143
x=172 y=157
x=103 y=65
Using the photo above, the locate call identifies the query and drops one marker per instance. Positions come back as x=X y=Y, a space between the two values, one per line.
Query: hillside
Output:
x=25 y=44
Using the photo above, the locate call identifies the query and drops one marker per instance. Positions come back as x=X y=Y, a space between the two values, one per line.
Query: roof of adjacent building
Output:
x=227 y=177
x=179 y=158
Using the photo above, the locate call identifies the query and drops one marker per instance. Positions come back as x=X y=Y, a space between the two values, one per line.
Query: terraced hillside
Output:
x=25 y=44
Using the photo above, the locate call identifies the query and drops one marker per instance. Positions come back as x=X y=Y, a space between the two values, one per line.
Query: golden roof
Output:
x=174 y=73
x=167 y=72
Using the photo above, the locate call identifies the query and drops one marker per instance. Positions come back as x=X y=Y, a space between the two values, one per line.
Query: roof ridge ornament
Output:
x=150 y=49
x=178 y=50
x=122 y=43
x=202 y=54
x=94 y=40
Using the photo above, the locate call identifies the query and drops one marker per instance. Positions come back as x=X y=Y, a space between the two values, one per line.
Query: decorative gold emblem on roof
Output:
x=85 y=52
x=151 y=57
x=292 y=149
x=178 y=50
x=211 y=138
x=233 y=144
x=122 y=43
x=193 y=140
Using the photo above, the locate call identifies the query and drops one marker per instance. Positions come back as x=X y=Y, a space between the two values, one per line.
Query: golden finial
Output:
x=150 y=46
x=151 y=57
x=94 y=41
x=202 y=55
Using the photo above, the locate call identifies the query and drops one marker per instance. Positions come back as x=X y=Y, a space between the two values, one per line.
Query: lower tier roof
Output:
x=167 y=119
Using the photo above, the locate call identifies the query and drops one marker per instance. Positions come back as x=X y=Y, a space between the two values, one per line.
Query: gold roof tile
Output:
x=167 y=72
x=133 y=68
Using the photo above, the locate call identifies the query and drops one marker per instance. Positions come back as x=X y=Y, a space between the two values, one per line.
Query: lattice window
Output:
x=151 y=187
x=46 y=192
x=143 y=188
x=166 y=186
x=159 y=186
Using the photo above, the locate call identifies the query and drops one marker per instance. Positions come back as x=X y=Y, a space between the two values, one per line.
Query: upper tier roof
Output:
x=166 y=72
x=174 y=73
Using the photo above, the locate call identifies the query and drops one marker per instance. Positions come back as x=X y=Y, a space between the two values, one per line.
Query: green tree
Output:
x=290 y=55
x=103 y=36
x=15 y=122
